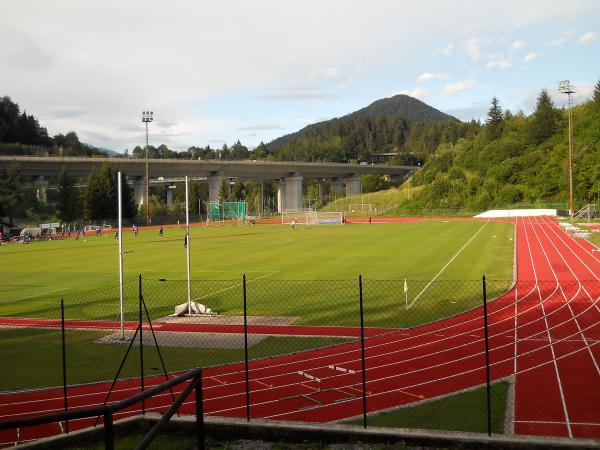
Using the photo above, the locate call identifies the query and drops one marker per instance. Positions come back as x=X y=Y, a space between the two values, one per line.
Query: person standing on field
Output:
x=160 y=232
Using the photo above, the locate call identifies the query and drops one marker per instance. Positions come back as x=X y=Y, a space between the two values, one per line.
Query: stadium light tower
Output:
x=566 y=87
x=147 y=117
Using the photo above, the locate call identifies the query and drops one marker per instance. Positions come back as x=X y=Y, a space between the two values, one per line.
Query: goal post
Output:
x=311 y=217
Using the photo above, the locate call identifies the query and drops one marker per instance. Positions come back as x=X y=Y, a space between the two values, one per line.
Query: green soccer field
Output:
x=35 y=276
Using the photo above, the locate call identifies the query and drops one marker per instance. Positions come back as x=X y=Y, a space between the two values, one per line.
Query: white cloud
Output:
x=447 y=50
x=517 y=45
x=530 y=57
x=459 y=86
x=565 y=37
x=472 y=48
x=419 y=93
x=325 y=72
x=261 y=127
x=587 y=38
x=428 y=76
x=502 y=64
x=297 y=93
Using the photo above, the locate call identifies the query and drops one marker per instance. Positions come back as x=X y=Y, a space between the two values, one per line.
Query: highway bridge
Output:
x=289 y=174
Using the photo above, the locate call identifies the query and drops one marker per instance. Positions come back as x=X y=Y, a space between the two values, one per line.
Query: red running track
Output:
x=543 y=334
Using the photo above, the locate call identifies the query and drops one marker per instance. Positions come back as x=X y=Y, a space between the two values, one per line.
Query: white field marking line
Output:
x=565 y=297
x=404 y=339
x=516 y=337
x=437 y=365
x=237 y=285
x=377 y=394
x=270 y=375
x=87 y=394
x=556 y=372
x=41 y=293
x=447 y=264
x=560 y=236
x=588 y=424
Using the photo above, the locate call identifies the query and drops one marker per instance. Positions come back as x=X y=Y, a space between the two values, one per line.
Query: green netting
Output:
x=227 y=211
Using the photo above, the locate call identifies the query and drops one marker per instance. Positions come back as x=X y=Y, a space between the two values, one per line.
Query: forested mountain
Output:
x=515 y=159
x=22 y=134
x=386 y=125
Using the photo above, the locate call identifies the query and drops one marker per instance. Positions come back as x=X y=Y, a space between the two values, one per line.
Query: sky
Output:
x=254 y=70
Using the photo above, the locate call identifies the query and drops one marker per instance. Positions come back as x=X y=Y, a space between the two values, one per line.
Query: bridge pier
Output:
x=322 y=189
x=169 y=197
x=215 y=179
x=337 y=184
x=353 y=185
x=139 y=191
x=289 y=193
x=41 y=193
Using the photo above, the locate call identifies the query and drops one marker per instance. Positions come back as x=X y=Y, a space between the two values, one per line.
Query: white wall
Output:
x=518 y=213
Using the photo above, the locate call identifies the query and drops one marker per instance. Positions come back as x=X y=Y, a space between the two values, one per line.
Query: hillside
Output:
x=384 y=126
x=514 y=160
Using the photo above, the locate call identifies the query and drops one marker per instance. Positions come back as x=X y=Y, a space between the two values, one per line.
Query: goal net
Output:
x=360 y=207
x=310 y=217
x=227 y=211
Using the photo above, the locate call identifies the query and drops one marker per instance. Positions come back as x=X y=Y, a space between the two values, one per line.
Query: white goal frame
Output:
x=311 y=217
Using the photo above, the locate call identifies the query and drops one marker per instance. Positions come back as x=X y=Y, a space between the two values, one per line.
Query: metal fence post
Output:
x=141 y=343
x=487 y=359
x=64 y=360
x=199 y=412
x=109 y=432
x=362 y=346
x=246 y=351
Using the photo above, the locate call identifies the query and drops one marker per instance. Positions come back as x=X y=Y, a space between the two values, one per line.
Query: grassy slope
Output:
x=461 y=412
x=36 y=275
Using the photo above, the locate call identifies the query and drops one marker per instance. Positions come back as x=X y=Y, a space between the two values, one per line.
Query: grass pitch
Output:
x=37 y=275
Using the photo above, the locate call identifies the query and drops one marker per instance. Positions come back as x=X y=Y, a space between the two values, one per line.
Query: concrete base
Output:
x=227 y=430
x=521 y=213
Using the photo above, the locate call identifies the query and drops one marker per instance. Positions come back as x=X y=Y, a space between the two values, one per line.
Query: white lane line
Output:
x=41 y=293
x=565 y=297
x=556 y=372
x=447 y=264
x=236 y=286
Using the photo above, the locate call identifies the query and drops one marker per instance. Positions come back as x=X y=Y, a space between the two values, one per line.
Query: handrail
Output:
x=108 y=410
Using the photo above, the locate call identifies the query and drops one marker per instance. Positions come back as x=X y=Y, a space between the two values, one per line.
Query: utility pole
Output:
x=147 y=117
x=566 y=87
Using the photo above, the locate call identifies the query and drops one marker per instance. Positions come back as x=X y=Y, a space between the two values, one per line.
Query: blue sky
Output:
x=216 y=72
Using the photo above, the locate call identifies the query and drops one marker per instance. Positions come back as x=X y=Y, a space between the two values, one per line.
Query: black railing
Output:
x=108 y=411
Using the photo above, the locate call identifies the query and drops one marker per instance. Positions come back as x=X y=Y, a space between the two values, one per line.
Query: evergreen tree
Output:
x=127 y=199
x=596 y=96
x=546 y=119
x=101 y=195
x=495 y=121
x=10 y=189
x=224 y=190
x=68 y=200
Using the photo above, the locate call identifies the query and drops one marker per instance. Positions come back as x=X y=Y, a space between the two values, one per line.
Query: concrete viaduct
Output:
x=289 y=174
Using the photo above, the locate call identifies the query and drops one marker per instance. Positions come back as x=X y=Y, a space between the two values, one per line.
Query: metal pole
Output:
x=109 y=433
x=147 y=182
x=64 y=360
x=199 y=412
x=246 y=351
x=362 y=348
x=487 y=360
x=120 y=202
x=141 y=345
x=571 y=205
x=187 y=241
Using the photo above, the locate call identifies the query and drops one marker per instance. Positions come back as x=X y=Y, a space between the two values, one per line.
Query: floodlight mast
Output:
x=147 y=117
x=566 y=87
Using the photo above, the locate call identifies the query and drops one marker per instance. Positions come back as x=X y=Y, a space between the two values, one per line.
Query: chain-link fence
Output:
x=393 y=353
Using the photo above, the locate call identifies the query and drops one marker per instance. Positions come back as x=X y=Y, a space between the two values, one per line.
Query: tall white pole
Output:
x=187 y=241
x=121 y=257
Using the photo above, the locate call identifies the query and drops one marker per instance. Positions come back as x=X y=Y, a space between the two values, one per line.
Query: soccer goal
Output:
x=311 y=217
x=360 y=207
